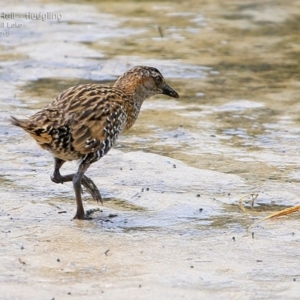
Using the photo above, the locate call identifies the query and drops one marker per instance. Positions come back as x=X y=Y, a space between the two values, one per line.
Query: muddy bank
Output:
x=162 y=231
x=171 y=225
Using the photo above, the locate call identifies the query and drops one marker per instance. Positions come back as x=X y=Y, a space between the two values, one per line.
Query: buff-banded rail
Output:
x=84 y=122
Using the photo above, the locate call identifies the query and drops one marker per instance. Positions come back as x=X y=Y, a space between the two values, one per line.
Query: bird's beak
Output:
x=167 y=90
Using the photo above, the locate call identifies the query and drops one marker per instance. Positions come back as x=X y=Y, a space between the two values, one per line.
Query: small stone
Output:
x=112 y=215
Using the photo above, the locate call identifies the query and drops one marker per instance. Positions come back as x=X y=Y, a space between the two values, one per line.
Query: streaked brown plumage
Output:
x=84 y=121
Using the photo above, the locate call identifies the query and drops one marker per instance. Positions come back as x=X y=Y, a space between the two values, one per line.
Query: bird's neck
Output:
x=136 y=94
x=134 y=90
x=134 y=104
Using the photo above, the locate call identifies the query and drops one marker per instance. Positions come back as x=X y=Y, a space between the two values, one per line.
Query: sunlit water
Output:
x=235 y=65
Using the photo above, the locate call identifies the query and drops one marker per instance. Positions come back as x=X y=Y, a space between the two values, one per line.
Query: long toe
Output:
x=97 y=196
x=87 y=215
x=92 y=189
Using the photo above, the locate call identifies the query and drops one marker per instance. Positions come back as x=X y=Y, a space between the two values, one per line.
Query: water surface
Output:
x=171 y=223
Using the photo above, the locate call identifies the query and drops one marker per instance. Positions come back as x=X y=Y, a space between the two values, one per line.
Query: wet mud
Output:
x=172 y=225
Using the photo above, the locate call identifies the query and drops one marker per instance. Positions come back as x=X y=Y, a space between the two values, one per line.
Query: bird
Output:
x=83 y=123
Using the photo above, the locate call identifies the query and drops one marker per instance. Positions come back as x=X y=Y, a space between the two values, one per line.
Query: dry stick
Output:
x=283 y=212
x=280 y=213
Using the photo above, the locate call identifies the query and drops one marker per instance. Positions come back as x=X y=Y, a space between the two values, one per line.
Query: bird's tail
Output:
x=38 y=133
x=23 y=123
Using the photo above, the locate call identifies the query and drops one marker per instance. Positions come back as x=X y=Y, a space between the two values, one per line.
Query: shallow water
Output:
x=171 y=223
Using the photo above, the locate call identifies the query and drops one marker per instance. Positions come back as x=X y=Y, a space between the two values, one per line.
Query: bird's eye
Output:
x=158 y=80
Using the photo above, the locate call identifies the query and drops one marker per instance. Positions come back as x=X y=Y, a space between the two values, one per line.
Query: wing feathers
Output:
x=91 y=115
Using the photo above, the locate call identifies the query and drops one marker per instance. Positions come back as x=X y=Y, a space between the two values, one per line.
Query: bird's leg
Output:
x=56 y=177
x=88 y=184
x=86 y=181
x=77 y=180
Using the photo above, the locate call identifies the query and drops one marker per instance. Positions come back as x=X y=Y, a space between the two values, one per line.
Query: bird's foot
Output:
x=87 y=214
x=86 y=182
x=92 y=188
x=57 y=178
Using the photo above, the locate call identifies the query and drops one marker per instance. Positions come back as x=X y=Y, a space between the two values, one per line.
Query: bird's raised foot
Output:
x=86 y=182
x=57 y=178
x=92 y=188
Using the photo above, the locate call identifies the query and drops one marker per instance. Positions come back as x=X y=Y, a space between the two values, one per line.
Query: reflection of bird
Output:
x=84 y=121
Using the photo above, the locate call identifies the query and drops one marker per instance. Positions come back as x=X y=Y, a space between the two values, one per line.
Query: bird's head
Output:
x=143 y=82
